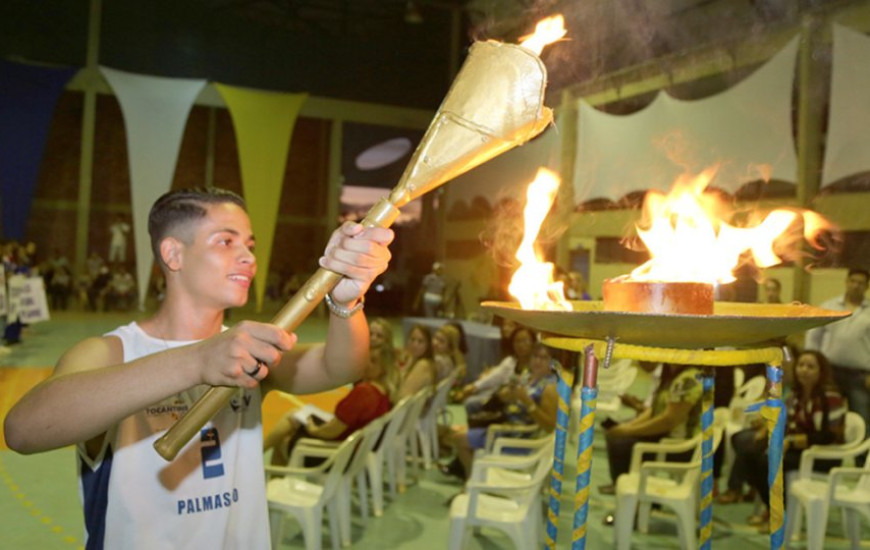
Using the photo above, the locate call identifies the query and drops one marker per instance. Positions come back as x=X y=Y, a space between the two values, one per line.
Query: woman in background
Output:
x=532 y=403
x=419 y=364
x=816 y=415
x=448 y=357
x=478 y=392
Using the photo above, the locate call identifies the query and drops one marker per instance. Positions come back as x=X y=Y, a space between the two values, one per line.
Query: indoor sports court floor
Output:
x=40 y=509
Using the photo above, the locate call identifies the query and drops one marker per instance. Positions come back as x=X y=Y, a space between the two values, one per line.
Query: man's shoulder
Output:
x=90 y=354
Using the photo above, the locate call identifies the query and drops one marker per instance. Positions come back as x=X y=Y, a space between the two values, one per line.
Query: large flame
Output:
x=546 y=32
x=689 y=239
x=532 y=283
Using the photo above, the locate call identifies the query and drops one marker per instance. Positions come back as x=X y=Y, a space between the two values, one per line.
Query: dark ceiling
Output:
x=366 y=50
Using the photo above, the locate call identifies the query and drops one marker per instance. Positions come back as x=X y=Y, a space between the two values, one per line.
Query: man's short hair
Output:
x=859 y=271
x=182 y=206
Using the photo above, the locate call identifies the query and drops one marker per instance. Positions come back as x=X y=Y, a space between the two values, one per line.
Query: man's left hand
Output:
x=360 y=254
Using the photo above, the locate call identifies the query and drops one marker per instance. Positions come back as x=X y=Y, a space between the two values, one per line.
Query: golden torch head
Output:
x=495 y=103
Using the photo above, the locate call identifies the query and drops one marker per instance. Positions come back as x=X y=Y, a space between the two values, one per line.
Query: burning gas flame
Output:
x=546 y=32
x=532 y=283
x=689 y=240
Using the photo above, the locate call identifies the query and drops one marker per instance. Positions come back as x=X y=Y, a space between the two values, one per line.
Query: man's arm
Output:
x=92 y=389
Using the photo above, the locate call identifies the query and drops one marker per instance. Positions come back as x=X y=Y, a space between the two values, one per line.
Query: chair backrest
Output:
x=439 y=398
x=338 y=466
x=393 y=423
x=750 y=392
x=369 y=438
x=415 y=409
x=739 y=377
x=752 y=389
x=853 y=434
x=693 y=476
x=542 y=469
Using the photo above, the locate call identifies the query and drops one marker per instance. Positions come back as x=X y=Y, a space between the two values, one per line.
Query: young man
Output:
x=114 y=396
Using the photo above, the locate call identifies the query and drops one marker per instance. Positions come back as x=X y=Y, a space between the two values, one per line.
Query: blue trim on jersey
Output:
x=95 y=487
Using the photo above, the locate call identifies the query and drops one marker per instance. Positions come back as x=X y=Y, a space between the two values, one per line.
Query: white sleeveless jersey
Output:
x=212 y=496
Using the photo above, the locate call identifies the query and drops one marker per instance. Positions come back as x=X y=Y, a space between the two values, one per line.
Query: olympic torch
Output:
x=494 y=104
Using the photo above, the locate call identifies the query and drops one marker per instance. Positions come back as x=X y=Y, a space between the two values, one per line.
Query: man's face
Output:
x=217 y=263
x=856 y=287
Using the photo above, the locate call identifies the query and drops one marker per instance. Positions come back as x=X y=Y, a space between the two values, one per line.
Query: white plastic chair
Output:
x=356 y=470
x=304 y=492
x=406 y=440
x=378 y=456
x=498 y=432
x=641 y=487
x=427 y=427
x=816 y=496
x=739 y=377
x=503 y=493
x=853 y=435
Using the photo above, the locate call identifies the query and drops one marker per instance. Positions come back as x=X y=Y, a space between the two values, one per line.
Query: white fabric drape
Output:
x=746 y=129
x=155 y=113
x=847 y=149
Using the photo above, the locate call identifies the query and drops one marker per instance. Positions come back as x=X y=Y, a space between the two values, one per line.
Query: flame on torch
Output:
x=532 y=283
x=546 y=32
x=689 y=240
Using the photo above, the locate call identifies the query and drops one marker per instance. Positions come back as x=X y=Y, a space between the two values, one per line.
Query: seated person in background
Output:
x=369 y=399
x=506 y=327
x=419 y=364
x=445 y=347
x=478 y=392
x=816 y=414
x=121 y=291
x=675 y=412
x=381 y=333
x=532 y=403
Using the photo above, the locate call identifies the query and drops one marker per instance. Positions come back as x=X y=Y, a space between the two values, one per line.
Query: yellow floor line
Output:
x=35 y=510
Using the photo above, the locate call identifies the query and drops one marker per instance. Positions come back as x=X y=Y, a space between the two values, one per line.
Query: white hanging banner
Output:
x=746 y=129
x=155 y=113
x=27 y=301
x=847 y=145
x=3 y=301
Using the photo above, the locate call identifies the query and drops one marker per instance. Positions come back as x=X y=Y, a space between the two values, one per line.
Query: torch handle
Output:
x=296 y=310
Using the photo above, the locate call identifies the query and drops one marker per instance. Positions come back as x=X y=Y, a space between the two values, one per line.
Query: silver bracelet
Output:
x=343 y=312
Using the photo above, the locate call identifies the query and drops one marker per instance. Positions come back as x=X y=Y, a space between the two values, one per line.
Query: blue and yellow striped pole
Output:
x=558 y=471
x=588 y=395
x=774 y=414
x=706 y=537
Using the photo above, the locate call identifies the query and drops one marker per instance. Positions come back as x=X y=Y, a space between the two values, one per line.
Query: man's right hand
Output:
x=232 y=357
